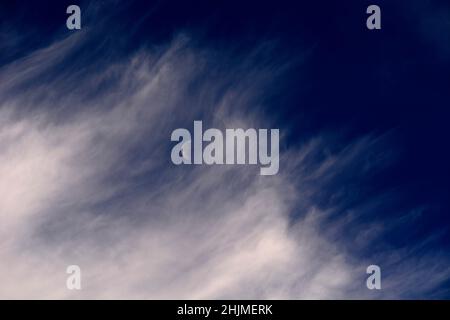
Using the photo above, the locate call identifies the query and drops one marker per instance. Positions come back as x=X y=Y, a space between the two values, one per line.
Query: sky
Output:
x=86 y=176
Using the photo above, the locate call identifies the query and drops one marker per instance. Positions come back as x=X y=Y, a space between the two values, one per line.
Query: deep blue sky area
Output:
x=392 y=83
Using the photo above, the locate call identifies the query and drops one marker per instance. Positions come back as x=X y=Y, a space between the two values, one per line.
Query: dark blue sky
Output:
x=341 y=80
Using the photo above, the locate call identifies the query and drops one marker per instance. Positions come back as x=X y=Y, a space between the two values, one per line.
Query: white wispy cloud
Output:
x=86 y=179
